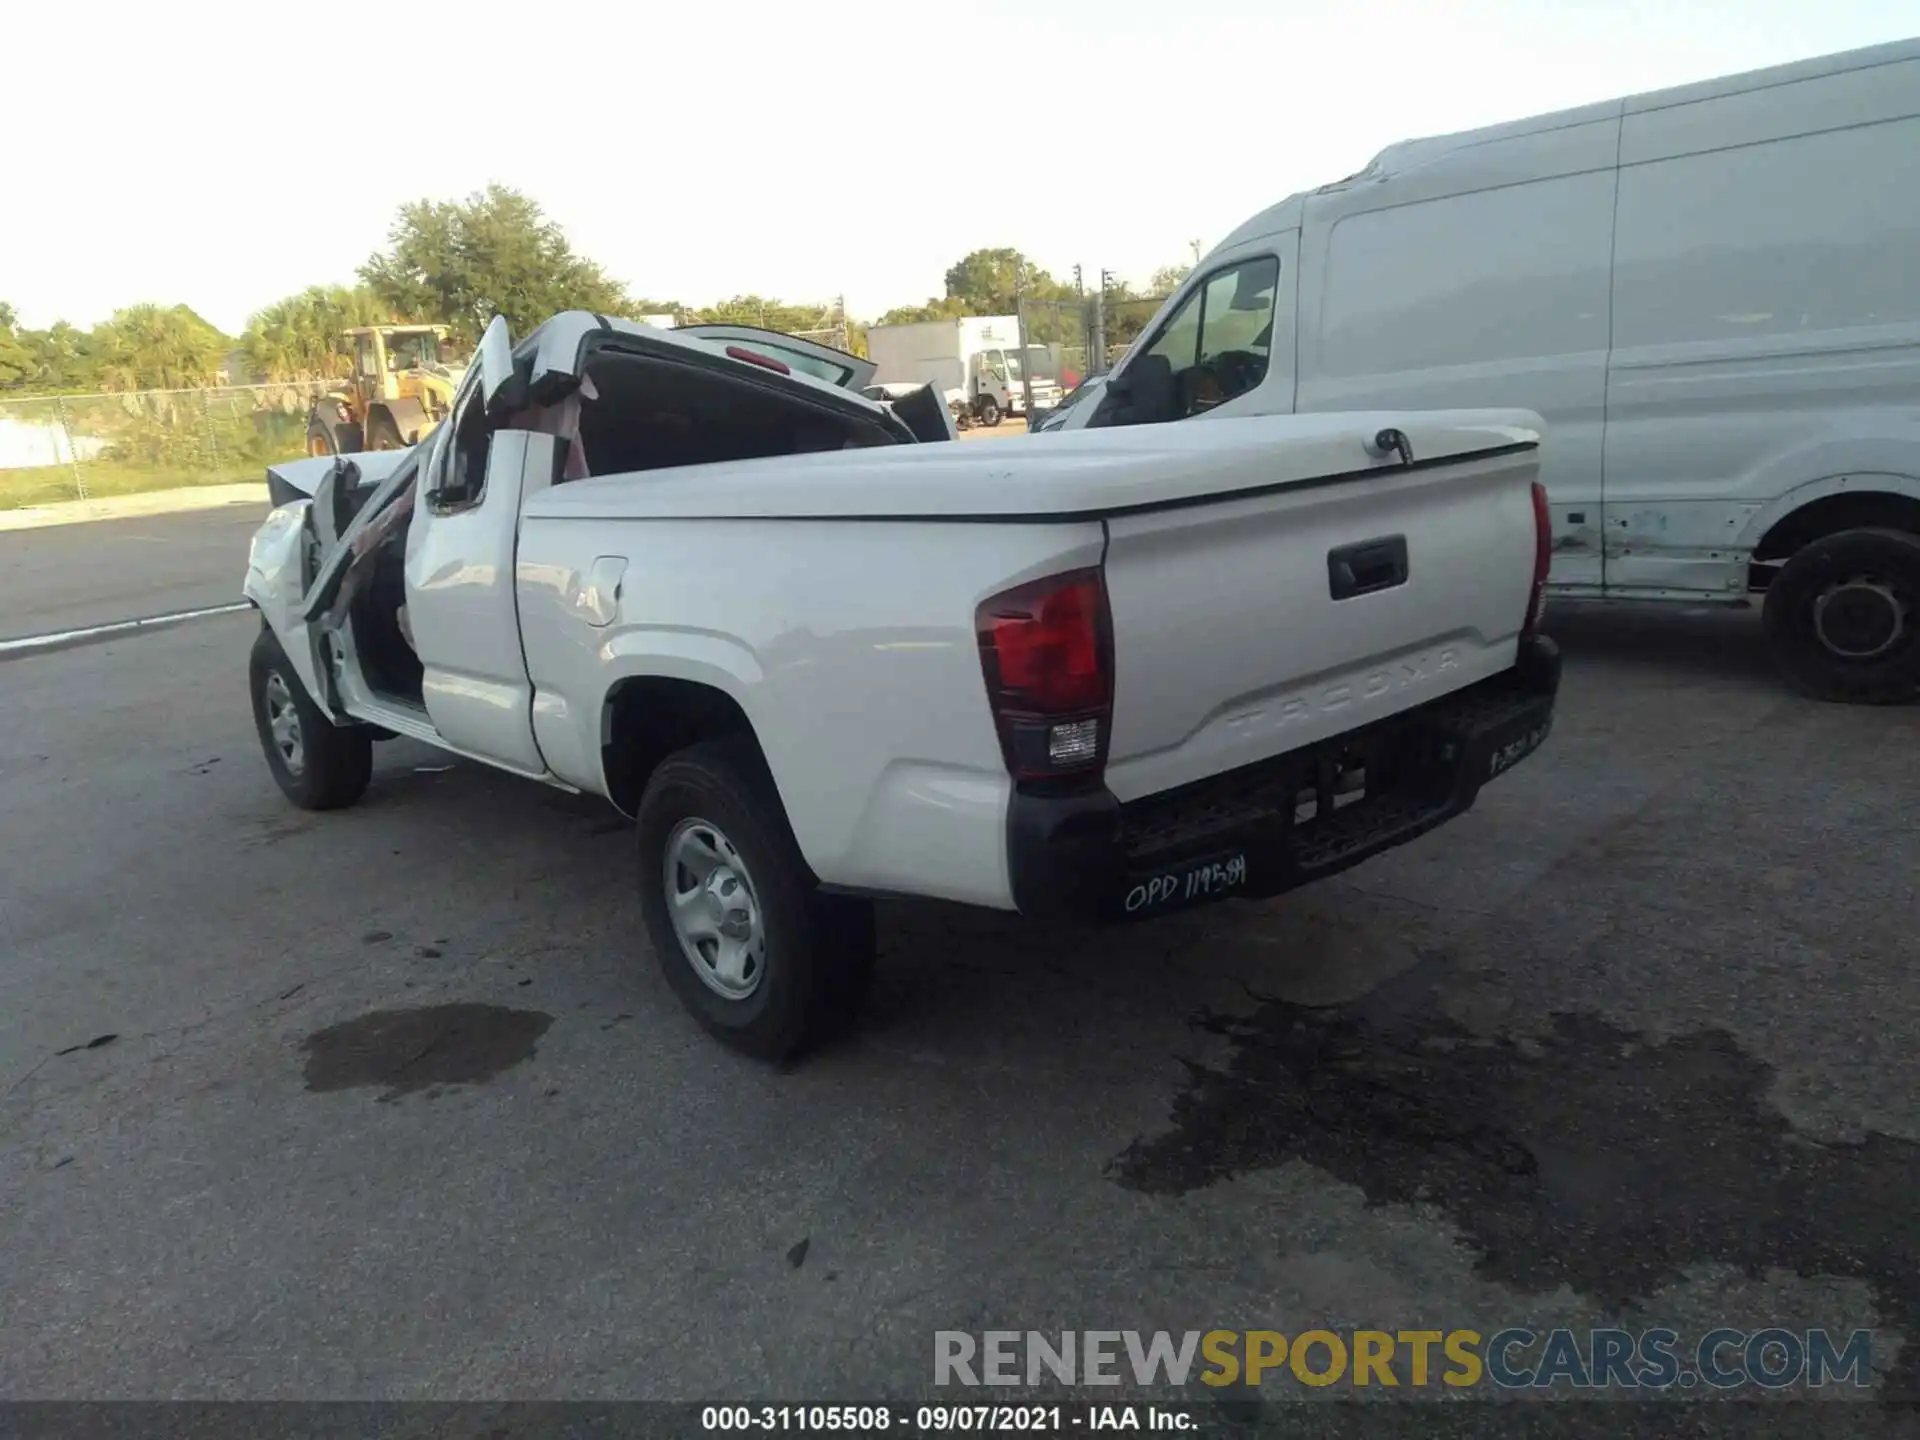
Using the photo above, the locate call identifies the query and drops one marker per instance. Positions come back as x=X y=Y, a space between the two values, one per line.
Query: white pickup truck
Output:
x=820 y=657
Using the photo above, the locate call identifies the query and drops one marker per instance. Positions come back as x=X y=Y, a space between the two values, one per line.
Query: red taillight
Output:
x=1542 y=558
x=754 y=357
x=1046 y=649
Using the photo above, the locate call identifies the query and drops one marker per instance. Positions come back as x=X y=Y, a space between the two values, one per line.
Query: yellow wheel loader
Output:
x=401 y=388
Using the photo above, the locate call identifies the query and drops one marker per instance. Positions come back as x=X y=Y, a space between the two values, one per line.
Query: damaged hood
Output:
x=304 y=476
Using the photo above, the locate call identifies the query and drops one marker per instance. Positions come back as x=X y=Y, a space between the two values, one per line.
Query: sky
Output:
x=223 y=155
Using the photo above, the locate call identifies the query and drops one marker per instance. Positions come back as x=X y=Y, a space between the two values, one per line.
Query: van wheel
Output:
x=317 y=764
x=1843 y=617
x=989 y=412
x=762 y=959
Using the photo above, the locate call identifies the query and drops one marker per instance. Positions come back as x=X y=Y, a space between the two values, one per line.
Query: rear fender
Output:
x=1864 y=479
x=717 y=662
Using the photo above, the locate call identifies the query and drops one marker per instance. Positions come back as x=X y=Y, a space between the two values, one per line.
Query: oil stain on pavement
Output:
x=1585 y=1156
x=403 y=1051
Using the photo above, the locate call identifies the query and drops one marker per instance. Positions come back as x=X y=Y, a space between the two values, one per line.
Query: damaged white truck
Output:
x=823 y=653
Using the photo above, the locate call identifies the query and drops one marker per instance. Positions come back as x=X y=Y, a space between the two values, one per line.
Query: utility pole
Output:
x=1085 y=317
x=1020 y=329
x=1097 y=359
x=1196 y=250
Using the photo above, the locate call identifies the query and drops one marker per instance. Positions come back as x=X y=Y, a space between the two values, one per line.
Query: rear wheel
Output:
x=1843 y=617
x=989 y=411
x=317 y=765
x=749 y=945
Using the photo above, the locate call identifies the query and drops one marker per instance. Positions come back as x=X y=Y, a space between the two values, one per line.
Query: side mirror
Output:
x=495 y=357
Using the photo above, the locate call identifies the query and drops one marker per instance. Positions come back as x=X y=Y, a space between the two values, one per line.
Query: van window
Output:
x=1801 y=236
x=1216 y=345
x=1470 y=279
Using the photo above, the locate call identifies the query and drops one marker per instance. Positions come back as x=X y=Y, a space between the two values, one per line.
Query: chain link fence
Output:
x=1125 y=319
x=1085 y=335
x=1065 y=330
x=83 y=447
x=835 y=336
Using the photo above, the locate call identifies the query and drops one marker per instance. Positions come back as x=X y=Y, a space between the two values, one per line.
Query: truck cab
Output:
x=1004 y=374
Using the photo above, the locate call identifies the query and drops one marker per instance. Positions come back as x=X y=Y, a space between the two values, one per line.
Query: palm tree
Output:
x=298 y=338
x=155 y=347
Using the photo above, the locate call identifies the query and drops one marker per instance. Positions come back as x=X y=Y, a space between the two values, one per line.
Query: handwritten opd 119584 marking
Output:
x=1207 y=879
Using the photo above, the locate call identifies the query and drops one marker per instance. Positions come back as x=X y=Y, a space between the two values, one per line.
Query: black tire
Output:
x=816 y=957
x=1875 y=574
x=328 y=437
x=331 y=764
x=989 y=411
x=383 y=433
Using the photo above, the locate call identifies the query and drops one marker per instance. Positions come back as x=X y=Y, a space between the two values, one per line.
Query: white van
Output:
x=1712 y=293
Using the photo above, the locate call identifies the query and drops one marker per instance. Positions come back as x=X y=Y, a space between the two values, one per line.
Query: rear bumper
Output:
x=1248 y=833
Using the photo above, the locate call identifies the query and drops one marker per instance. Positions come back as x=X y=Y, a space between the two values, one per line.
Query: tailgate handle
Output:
x=1367 y=567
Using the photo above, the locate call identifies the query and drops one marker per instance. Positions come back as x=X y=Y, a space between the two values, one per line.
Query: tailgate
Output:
x=1251 y=625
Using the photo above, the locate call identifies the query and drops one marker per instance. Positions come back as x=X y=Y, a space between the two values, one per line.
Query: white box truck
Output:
x=979 y=355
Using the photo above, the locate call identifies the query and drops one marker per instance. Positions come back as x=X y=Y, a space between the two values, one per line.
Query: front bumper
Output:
x=1253 y=832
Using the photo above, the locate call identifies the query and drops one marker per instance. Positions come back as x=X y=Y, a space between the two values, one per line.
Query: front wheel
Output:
x=749 y=945
x=1843 y=617
x=989 y=411
x=328 y=437
x=317 y=765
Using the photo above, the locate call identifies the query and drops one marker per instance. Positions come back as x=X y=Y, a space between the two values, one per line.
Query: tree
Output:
x=766 y=314
x=1167 y=279
x=16 y=361
x=62 y=358
x=298 y=338
x=463 y=262
x=989 y=281
x=984 y=282
x=945 y=308
x=155 y=347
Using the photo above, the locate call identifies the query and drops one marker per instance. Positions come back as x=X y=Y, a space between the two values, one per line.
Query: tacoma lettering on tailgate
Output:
x=1399 y=675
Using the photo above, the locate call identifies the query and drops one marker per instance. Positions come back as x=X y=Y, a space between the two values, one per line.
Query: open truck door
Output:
x=349 y=513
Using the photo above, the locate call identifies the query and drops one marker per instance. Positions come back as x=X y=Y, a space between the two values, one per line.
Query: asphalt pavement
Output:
x=66 y=577
x=394 y=1102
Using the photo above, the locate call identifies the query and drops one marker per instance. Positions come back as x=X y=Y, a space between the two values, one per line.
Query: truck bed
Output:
x=1084 y=474
x=845 y=585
